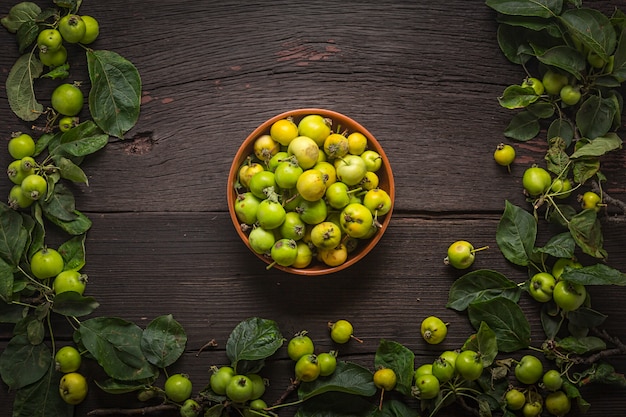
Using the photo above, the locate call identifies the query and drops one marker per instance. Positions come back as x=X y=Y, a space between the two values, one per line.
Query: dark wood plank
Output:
x=423 y=77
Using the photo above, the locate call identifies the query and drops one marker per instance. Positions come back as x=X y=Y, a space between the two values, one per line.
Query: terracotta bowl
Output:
x=338 y=121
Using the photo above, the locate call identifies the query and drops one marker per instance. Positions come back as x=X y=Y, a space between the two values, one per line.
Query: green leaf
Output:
x=115 y=95
x=592 y=28
x=6 y=281
x=20 y=88
x=559 y=246
x=80 y=225
x=400 y=359
x=551 y=320
x=22 y=363
x=396 y=408
x=523 y=127
x=585 y=169
x=42 y=399
x=581 y=345
x=334 y=404
x=20 y=13
x=481 y=285
x=61 y=72
x=586 y=318
x=484 y=342
x=27 y=34
x=12 y=313
x=70 y=171
x=517 y=97
x=13 y=236
x=44 y=140
x=586 y=231
x=572 y=392
x=73 y=253
x=619 y=60
x=253 y=339
x=556 y=157
x=516 y=234
x=512 y=43
x=73 y=304
x=535 y=24
x=598 y=274
x=563 y=129
x=506 y=319
x=599 y=146
x=61 y=204
x=537 y=8
x=72 y=5
x=348 y=378
x=566 y=58
x=595 y=117
x=542 y=110
x=116 y=345
x=163 y=341
x=82 y=140
x=114 y=386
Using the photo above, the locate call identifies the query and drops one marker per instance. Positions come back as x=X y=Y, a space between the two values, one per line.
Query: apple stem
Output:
x=479 y=249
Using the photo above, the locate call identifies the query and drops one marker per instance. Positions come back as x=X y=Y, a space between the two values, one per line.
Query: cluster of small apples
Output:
x=548 y=286
x=310 y=365
x=73 y=385
x=245 y=391
x=24 y=172
x=536 y=390
x=71 y=28
x=454 y=367
x=47 y=264
x=242 y=389
x=309 y=193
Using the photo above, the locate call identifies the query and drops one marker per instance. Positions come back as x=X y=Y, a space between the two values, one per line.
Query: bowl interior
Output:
x=340 y=123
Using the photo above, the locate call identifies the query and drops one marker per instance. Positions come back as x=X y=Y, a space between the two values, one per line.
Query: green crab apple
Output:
x=373 y=160
x=246 y=206
x=562 y=264
x=350 y=169
x=287 y=173
x=293 y=227
x=326 y=235
x=261 y=240
x=337 y=195
x=433 y=330
x=569 y=296
x=541 y=286
x=377 y=201
x=284 y=131
x=336 y=145
x=305 y=150
x=357 y=143
x=265 y=147
x=304 y=257
x=315 y=127
x=310 y=185
x=536 y=181
x=284 y=252
x=461 y=254
x=529 y=369
x=356 y=220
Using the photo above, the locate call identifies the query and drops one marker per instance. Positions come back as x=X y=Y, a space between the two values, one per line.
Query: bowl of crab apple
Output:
x=310 y=192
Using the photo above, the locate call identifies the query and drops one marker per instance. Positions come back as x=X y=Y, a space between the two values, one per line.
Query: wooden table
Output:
x=422 y=76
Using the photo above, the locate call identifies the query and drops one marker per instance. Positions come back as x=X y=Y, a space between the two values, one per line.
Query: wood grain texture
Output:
x=422 y=76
